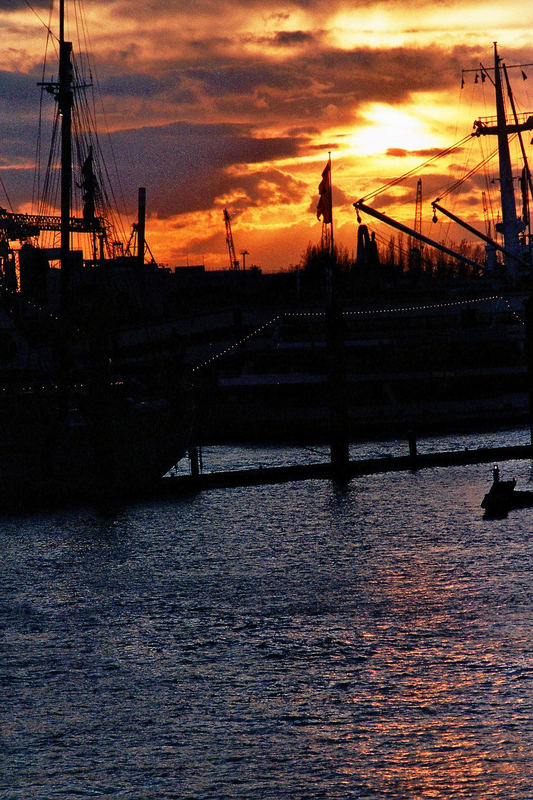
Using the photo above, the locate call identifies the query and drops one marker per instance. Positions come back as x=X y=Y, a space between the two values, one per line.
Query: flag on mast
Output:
x=324 y=207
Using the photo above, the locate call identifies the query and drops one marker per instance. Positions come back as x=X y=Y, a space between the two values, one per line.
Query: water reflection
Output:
x=273 y=642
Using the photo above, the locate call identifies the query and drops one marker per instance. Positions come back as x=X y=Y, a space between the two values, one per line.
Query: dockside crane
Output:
x=233 y=260
x=359 y=205
x=24 y=226
x=418 y=207
x=415 y=250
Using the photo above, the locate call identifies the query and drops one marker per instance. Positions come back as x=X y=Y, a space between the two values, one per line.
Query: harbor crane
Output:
x=415 y=250
x=418 y=207
x=233 y=260
x=24 y=226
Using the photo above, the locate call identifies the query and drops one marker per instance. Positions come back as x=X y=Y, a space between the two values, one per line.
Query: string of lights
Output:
x=370 y=313
x=235 y=345
x=321 y=314
x=513 y=312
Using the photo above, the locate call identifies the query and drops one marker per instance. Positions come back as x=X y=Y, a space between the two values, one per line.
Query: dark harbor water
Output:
x=295 y=641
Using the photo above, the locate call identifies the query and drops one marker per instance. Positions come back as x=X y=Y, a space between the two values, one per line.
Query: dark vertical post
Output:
x=340 y=458
x=141 y=226
x=193 y=456
x=65 y=107
x=412 y=448
x=100 y=419
x=337 y=380
x=529 y=354
x=65 y=101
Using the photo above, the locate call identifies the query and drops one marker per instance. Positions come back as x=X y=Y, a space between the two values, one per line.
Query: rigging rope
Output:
x=36 y=189
x=113 y=202
x=468 y=174
x=45 y=194
x=399 y=179
x=43 y=23
x=6 y=194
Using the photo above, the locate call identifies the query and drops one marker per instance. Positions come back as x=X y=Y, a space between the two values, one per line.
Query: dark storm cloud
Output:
x=230 y=66
x=309 y=130
x=15 y=5
x=246 y=78
x=18 y=93
x=291 y=38
x=17 y=156
x=17 y=187
x=399 y=152
x=155 y=7
x=19 y=129
x=132 y=84
x=151 y=8
x=323 y=147
x=189 y=164
x=18 y=141
x=264 y=186
x=322 y=84
x=383 y=74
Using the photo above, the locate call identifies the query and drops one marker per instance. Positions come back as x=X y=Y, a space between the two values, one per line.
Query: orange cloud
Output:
x=237 y=102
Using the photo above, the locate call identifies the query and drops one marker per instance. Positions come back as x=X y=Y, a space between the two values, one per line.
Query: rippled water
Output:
x=291 y=641
x=245 y=457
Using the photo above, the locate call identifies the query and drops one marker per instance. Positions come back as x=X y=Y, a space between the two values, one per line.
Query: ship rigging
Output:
x=87 y=415
x=516 y=246
x=72 y=178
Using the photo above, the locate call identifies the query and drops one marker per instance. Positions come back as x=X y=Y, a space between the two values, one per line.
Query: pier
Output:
x=181 y=484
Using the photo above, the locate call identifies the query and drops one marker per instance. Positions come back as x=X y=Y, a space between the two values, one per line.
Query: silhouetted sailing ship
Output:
x=93 y=402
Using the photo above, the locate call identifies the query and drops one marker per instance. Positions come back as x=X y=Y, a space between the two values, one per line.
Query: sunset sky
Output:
x=236 y=104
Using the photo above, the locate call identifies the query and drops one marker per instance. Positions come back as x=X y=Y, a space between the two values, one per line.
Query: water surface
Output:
x=292 y=641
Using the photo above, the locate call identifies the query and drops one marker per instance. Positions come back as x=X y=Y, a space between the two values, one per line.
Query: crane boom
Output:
x=471 y=229
x=233 y=261
x=418 y=207
x=360 y=206
x=23 y=226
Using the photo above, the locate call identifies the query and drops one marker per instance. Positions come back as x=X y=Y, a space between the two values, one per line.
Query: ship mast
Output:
x=65 y=102
x=510 y=225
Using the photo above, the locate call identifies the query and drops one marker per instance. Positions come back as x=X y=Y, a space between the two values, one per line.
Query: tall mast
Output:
x=510 y=226
x=65 y=101
x=141 y=225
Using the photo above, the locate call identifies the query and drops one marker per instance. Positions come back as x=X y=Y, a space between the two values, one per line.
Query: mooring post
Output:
x=193 y=456
x=340 y=458
x=528 y=306
x=141 y=225
x=412 y=448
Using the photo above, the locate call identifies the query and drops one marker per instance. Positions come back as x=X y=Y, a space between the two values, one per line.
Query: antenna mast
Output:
x=65 y=103
x=510 y=225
